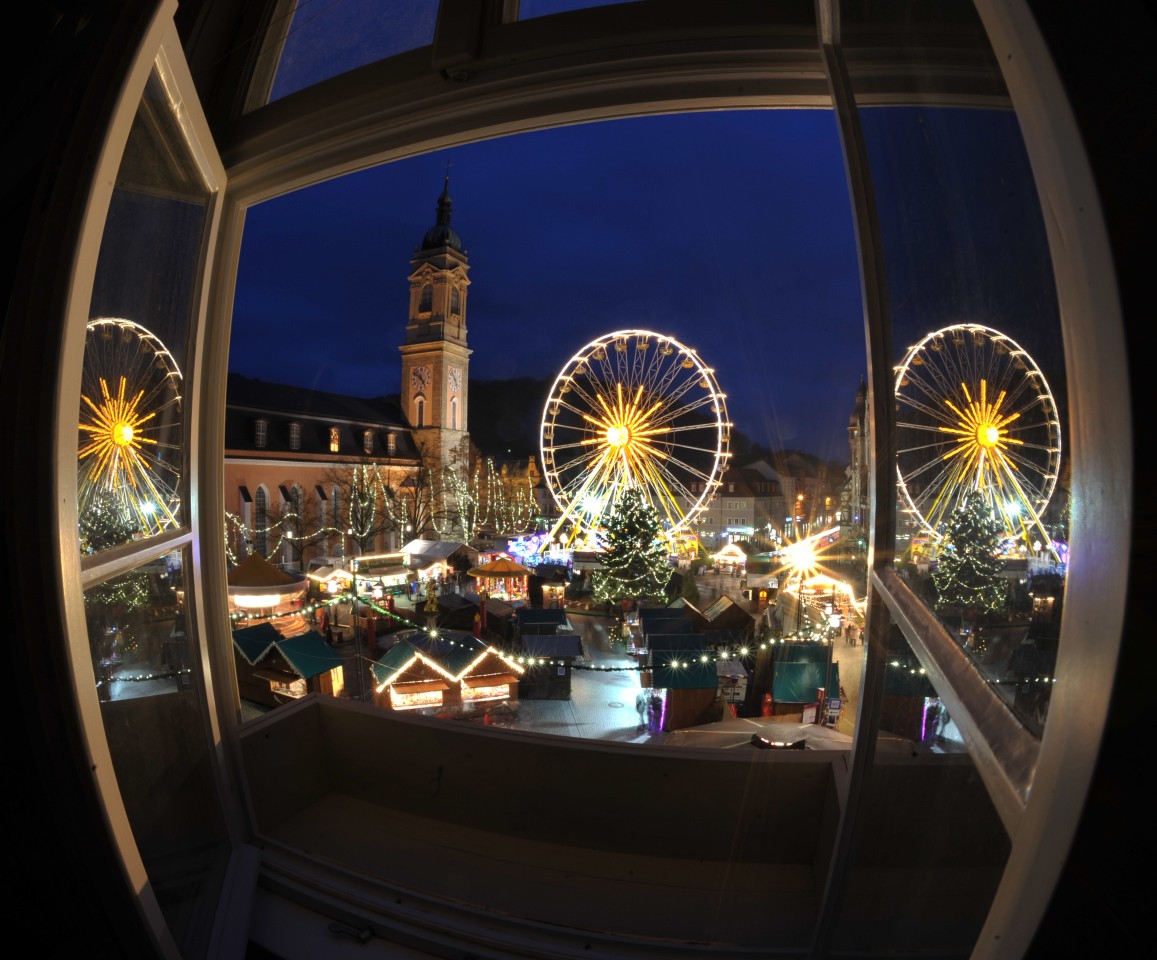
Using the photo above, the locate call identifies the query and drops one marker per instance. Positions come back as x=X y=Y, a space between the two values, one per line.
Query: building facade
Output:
x=298 y=462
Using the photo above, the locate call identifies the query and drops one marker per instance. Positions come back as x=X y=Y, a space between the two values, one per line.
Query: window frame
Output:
x=266 y=161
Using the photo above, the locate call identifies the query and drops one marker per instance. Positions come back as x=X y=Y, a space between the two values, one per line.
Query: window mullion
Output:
x=878 y=332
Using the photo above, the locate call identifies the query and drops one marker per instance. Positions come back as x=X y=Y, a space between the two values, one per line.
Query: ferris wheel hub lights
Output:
x=618 y=436
x=987 y=435
x=122 y=434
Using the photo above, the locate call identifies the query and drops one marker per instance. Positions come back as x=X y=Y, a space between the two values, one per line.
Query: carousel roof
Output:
x=256 y=571
x=502 y=567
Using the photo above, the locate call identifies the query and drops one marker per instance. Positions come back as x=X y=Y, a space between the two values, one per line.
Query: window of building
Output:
x=455 y=301
x=426 y=299
x=260 y=433
x=295 y=436
x=454 y=413
x=334 y=439
x=368 y=441
x=391 y=444
x=261 y=522
x=420 y=412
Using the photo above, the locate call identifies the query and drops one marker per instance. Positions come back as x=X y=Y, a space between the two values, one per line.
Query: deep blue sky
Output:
x=731 y=232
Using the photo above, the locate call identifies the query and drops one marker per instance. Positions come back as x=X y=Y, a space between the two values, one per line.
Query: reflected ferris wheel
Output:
x=129 y=452
x=974 y=412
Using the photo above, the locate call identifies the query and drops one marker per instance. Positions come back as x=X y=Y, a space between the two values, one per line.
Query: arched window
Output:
x=260 y=522
x=426 y=299
x=454 y=413
x=420 y=412
x=455 y=301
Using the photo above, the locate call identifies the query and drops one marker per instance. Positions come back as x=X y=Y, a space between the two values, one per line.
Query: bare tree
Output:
x=363 y=513
x=300 y=522
x=478 y=494
x=415 y=504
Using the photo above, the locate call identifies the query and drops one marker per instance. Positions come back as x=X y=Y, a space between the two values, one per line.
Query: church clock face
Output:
x=420 y=378
x=455 y=378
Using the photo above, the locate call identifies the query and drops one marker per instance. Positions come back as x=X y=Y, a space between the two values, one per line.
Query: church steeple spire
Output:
x=442 y=234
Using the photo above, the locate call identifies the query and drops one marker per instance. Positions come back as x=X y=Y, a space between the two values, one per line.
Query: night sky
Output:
x=729 y=231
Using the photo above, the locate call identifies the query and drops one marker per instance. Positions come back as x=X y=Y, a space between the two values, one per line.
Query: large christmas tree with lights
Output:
x=634 y=552
x=969 y=573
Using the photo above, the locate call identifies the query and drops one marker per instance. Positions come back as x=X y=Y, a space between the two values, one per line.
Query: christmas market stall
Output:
x=273 y=669
x=804 y=679
x=327 y=581
x=449 y=671
x=258 y=589
x=502 y=578
x=684 y=676
x=731 y=558
x=382 y=574
x=438 y=559
x=549 y=666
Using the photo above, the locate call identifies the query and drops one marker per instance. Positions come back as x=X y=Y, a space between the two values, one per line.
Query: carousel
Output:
x=502 y=578
x=258 y=589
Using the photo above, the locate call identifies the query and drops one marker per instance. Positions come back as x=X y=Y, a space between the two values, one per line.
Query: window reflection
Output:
x=929 y=837
x=131 y=433
x=325 y=39
x=145 y=655
x=980 y=398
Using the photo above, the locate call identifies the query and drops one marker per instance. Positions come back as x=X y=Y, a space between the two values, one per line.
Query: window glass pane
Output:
x=930 y=846
x=326 y=38
x=542 y=8
x=146 y=658
x=131 y=477
x=792 y=367
x=980 y=398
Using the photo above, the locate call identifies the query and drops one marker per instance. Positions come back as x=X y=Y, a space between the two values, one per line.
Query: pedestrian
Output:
x=641 y=707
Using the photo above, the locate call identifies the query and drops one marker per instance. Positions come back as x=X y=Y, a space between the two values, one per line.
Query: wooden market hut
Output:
x=549 y=677
x=450 y=671
x=681 y=666
x=551 y=620
x=273 y=669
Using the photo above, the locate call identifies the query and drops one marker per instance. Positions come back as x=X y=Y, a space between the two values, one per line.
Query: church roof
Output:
x=315 y=411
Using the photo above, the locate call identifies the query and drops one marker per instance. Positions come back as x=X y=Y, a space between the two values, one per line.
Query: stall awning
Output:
x=493 y=680
x=421 y=686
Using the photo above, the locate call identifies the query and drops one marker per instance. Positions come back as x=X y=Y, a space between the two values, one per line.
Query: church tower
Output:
x=435 y=359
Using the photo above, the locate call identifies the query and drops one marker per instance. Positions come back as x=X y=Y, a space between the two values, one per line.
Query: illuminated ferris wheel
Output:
x=974 y=412
x=633 y=409
x=129 y=454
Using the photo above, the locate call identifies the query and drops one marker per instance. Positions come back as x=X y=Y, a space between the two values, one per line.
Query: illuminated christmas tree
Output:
x=635 y=554
x=969 y=573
